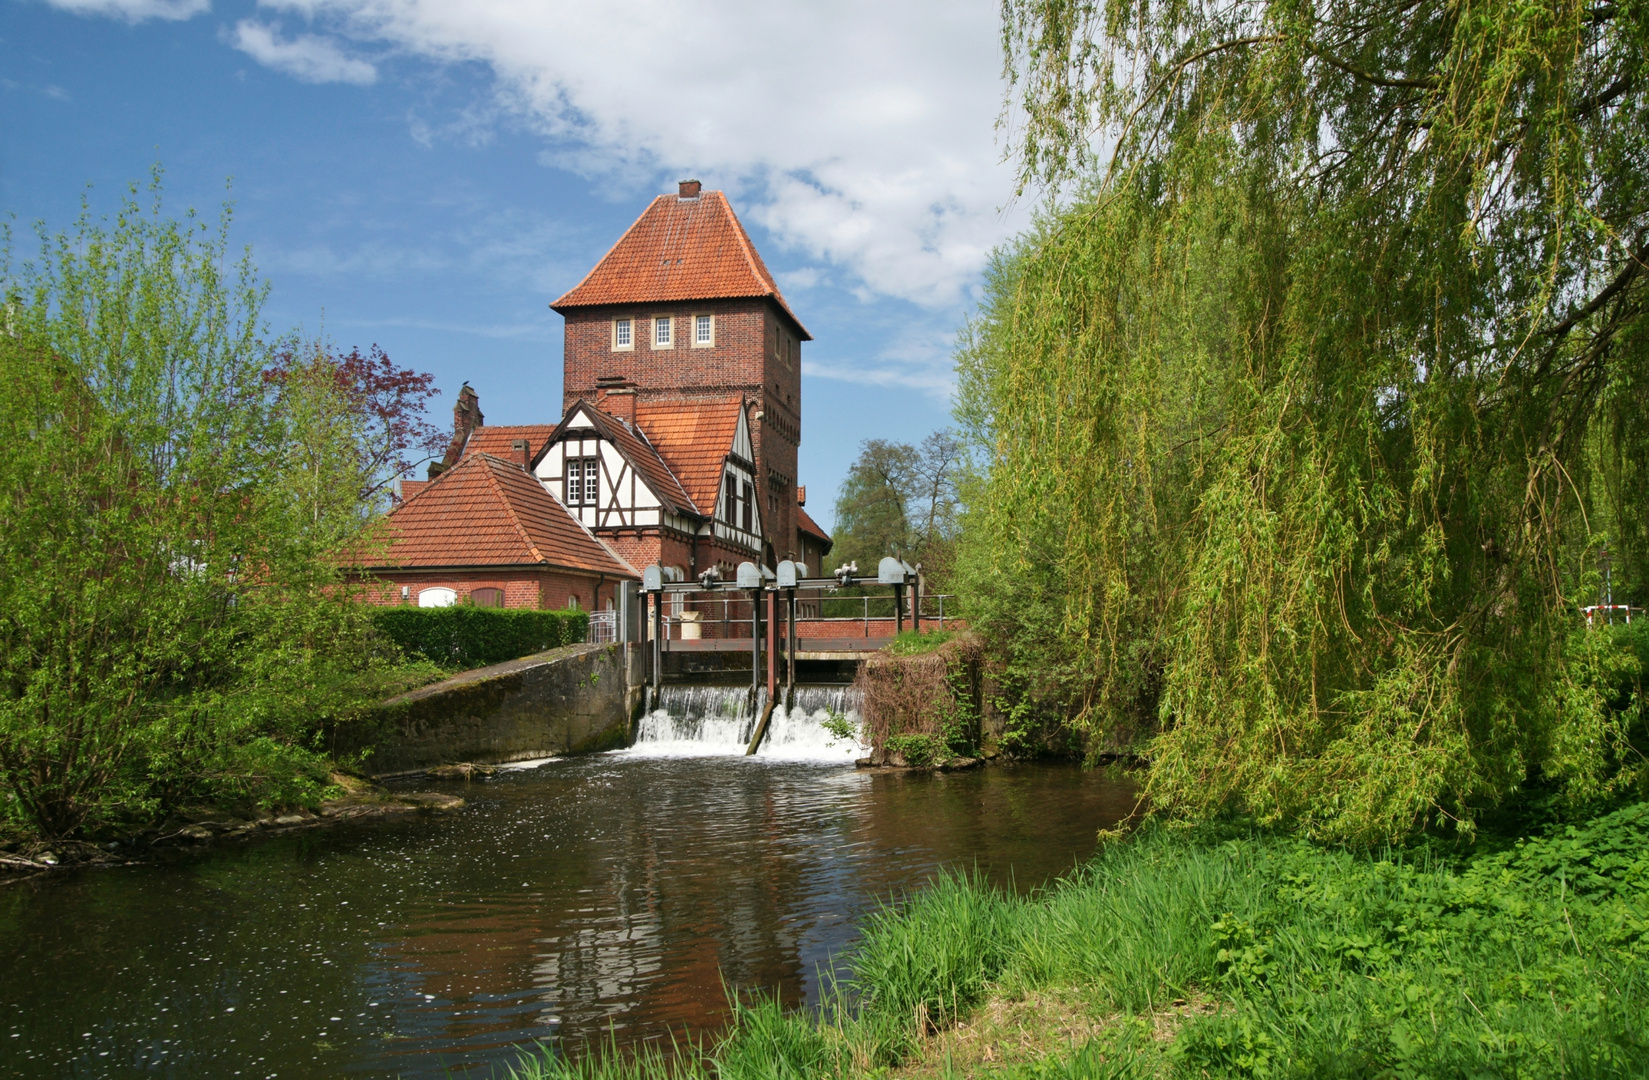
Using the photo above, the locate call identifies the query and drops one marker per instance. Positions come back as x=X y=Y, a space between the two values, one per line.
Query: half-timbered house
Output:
x=681 y=422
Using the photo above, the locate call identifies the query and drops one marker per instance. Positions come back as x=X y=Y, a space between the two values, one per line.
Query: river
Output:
x=579 y=899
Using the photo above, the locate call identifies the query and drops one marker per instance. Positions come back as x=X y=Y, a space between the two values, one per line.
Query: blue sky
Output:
x=427 y=174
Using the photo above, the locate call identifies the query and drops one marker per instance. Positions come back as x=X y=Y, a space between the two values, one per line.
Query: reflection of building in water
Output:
x=638 y=916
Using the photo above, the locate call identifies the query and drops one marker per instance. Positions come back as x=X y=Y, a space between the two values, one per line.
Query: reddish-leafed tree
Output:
x=388 y=403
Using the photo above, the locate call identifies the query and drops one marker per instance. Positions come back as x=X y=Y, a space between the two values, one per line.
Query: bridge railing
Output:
x=703 y=616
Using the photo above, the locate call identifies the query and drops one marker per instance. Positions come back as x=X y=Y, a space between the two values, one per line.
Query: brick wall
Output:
x=524 y=588
x=747 y=359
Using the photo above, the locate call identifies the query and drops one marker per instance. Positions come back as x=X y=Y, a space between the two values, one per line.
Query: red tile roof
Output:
x=486 y=511
x=694 y=439
x=807 y=525
x=409 y=488
x=680 y=249
x=496 y=440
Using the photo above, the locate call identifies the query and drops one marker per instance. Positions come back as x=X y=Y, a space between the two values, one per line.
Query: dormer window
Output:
x=623 y=335
x=661 y=333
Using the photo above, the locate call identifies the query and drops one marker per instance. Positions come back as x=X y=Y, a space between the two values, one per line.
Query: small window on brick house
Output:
x=661 y=333
x=704 y=331
x=487 y=597
x=623 y=334
x=747 y=506
x=583 y=481
x=730 y=503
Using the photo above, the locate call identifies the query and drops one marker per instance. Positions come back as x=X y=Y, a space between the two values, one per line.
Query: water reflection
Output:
x=617 y=891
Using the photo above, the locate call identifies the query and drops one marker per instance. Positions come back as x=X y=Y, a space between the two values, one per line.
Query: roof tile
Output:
x=680 y=249
x=694 y=439
x=486 y=511
x=496 y=440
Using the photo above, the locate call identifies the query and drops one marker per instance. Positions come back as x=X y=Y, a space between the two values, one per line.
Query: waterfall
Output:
x=701 y=721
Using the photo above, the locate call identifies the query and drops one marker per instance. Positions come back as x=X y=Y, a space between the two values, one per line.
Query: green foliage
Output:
x=172 y=626
x=899 y=500
x=920 y=750
x=772 y=1046
x=911 y=643
x=462 y=636
x=919 y=698
x=840 y=726
x=1307 y=415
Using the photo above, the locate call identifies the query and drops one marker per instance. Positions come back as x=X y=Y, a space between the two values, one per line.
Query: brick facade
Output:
x=757 y=355
x=523 y=587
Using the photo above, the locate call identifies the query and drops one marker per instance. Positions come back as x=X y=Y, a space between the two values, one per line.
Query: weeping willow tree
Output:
x=1311 y=400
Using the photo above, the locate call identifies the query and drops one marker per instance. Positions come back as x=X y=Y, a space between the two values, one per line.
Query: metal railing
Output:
x=1609 y=613
x=603 y=628
x=715 y=612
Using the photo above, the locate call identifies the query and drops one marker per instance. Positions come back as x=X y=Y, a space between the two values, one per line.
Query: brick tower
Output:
x=682 y=312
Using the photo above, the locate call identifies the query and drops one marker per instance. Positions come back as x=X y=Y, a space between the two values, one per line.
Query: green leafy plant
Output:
x=1307 y=412
x=464 y=636
x=172 y=616
x=841 y=726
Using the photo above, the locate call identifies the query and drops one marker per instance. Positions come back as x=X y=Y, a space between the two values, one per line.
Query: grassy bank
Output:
x=1194 y=955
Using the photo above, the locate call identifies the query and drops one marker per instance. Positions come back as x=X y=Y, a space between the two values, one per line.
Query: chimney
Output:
x=522 y=450
x=690 y=189
x=619 y=401
x=466 y=417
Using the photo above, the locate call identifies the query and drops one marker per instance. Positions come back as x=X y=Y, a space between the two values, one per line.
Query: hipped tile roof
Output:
x=807 y=525
x=694 y=439
x=486 y=511
x=641 y=454
x=496 y=440
x=680 y=249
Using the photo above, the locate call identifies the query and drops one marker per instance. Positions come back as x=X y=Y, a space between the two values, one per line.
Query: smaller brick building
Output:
x=486 y=531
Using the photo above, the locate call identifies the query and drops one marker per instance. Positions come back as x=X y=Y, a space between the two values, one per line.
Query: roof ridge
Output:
x=509 y=507
x=757 y=267
x=621 y=238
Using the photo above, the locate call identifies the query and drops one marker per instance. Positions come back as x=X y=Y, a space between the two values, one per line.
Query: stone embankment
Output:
x=572 y=700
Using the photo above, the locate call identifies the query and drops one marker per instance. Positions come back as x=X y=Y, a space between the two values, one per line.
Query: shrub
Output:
x=469 y=637
x=922 y=702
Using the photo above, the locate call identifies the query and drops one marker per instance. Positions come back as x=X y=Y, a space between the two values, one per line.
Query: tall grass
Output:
x=1532 y=961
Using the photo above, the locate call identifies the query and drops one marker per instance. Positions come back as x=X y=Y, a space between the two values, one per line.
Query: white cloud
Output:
x=859 y=133
x=307 y=57
x=135 y=10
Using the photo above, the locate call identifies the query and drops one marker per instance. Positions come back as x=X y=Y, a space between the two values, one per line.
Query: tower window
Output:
x=661 y=332
x=704 y=331
x=623 y=334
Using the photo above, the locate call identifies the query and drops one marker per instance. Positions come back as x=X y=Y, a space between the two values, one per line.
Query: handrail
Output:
x=930 y=601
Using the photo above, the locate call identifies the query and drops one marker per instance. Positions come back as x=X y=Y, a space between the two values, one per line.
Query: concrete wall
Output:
x=576 y=699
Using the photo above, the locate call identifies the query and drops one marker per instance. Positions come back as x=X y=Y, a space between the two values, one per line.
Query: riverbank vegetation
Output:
x=921 y=700
x=464 y=636
x=175 y=485
x=1237 y=953
x=1311 y=415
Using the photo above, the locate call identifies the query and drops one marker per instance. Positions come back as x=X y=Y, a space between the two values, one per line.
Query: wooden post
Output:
x=916 y=604
x=755 y=641
x=658 y=642
x=772 y=645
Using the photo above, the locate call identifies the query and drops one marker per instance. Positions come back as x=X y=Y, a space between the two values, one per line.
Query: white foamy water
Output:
x=708 y=721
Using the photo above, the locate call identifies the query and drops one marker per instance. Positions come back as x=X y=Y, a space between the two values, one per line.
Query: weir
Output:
x=705 y=721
